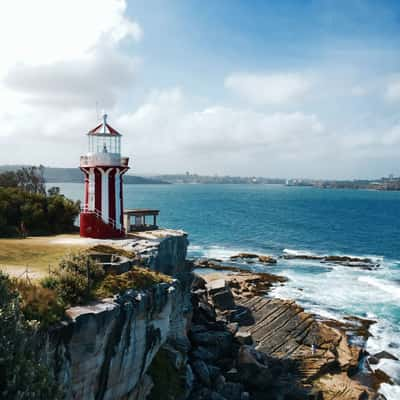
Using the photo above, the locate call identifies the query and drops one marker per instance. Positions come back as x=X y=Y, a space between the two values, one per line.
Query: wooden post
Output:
x=154 y=220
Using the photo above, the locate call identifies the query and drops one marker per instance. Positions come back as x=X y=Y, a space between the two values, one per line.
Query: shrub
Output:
x=76 y=279
x=136 y=278
x=101 y=248
x=38 y=303
x=72 y=288
x=23 y=373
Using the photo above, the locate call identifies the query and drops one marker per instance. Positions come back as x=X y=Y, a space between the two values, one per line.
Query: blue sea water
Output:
x=224 y=219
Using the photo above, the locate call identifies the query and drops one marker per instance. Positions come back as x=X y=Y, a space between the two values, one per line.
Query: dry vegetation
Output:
x=101 y=248
x=34 y=253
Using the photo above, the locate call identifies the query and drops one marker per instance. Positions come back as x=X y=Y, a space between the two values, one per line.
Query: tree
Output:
x=38 y=213
x=54 y=191
x=8 y=179
x=30 y=179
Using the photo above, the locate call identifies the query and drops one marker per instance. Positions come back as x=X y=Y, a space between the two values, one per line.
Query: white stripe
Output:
x=104 y=196
x=117 y=200
x=91 y=189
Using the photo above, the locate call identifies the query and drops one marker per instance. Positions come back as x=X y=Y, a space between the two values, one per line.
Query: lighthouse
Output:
x=103 y=167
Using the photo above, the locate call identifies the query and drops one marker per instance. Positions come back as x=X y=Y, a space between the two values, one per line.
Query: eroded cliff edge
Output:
x=104 y=351
x=218 y=340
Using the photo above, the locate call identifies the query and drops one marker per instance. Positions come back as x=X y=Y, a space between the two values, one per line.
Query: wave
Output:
x=216 y=252
x=382 y=285
x=292 y=252
x=308 y=253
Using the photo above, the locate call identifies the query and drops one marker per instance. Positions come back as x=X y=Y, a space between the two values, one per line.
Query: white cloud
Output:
x=57 y=59
x=46 y=31
x=393 y=90
x=165 y=130
x=268 y=88
x=97 y=76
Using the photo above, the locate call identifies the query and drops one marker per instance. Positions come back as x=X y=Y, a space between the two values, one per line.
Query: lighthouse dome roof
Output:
x=104 y=129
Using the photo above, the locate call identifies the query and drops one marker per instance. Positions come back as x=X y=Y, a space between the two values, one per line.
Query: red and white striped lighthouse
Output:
x=102 y=213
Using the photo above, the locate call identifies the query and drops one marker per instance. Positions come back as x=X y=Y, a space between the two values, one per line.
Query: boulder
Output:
x=267 y=260
x=232 y=375
x=244 y=256
x=216 y=285
x=241 y=315
x=201 y=370
x=201 y=393
x=205 y=312
x=216 y=396
x=202 y=353
x=189 y=379
x=219 y=382
x=232 y=327
x=245 y=396
x=253 y=370
x=244 y=337
x=223 y=299
x=198 y=283
x=232 y=390
x=220 y=339
x=214 y=371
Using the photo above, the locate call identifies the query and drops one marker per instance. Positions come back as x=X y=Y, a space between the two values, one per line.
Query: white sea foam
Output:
x=381 y=284
x=308 y=253
x=335 y=291
x=391 y=392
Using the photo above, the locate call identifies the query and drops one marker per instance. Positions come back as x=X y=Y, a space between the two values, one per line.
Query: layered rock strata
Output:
x=256 y=346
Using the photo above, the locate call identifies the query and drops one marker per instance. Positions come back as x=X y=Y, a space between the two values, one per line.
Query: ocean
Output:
x=223 y=220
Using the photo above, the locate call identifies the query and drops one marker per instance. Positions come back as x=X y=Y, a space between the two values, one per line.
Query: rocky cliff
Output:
x=105 y=350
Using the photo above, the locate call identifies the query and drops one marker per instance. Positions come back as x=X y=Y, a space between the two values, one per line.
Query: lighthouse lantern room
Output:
x=103 y=167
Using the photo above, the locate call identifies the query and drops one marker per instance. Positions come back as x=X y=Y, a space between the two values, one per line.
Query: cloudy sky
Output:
x=270 y=88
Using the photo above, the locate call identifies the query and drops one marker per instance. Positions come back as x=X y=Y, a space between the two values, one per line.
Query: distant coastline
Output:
x=386 y=184
x=74 y=175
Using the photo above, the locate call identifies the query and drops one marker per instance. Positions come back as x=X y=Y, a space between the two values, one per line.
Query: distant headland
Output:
x=73 y=175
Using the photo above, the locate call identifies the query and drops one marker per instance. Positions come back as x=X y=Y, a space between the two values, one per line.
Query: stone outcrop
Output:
x=345 y=261
x=251 y=257
x=262 y=345
x=105 y=350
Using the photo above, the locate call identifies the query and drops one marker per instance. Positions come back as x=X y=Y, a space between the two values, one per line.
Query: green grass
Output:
x=34 y=253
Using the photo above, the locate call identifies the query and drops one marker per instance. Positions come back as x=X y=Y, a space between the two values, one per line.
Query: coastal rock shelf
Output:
x=297 y=354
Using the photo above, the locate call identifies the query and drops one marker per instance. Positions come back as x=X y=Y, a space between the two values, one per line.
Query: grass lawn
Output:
x=35 y=253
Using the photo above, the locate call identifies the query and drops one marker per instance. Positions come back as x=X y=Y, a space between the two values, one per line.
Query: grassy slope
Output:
x=36 y=253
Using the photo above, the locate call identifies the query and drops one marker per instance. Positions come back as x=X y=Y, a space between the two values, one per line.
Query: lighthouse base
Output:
x=91 y=226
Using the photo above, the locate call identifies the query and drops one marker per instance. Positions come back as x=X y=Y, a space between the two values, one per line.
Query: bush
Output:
x=136 y=278
x=76 y=279
x=39 y=303
x=23 y=373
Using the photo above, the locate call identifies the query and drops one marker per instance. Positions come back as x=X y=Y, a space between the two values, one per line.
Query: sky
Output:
x=289 y=89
